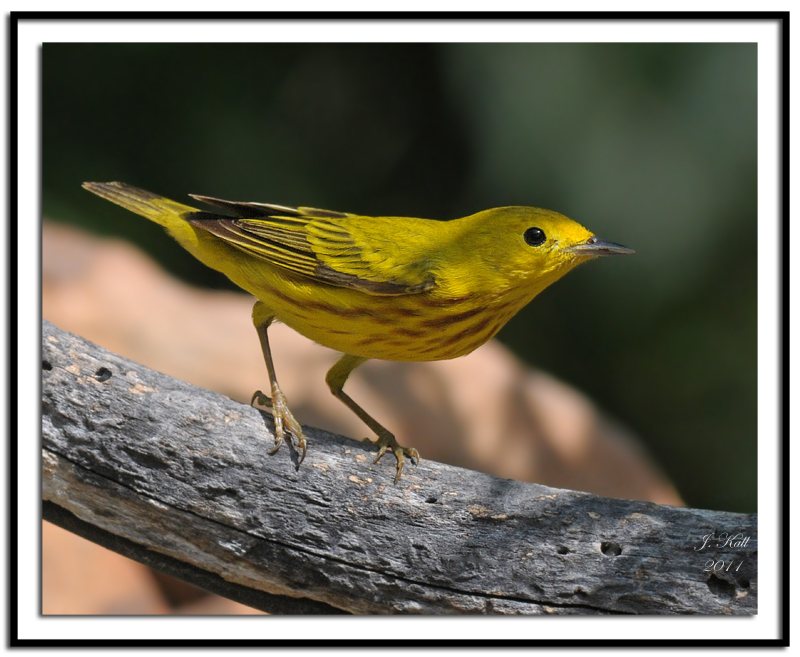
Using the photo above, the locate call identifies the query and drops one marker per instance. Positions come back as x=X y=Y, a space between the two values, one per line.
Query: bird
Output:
x=389 y=288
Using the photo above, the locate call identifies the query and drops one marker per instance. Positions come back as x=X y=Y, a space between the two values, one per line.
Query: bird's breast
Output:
x=413 y=327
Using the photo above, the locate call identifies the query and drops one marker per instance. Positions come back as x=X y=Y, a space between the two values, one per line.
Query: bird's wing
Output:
x=329 y=247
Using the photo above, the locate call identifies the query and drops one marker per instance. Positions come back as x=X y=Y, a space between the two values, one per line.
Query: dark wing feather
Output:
x=250 y=210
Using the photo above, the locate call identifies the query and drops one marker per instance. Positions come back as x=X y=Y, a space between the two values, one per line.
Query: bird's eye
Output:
x=534 y=237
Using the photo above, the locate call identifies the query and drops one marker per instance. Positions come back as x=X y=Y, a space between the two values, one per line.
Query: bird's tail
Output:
x=163 y=211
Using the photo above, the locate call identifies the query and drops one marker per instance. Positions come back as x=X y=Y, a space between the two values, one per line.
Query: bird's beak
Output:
x=594 y=247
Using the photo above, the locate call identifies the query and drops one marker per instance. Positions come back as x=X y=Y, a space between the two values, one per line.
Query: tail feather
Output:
x=157 y=208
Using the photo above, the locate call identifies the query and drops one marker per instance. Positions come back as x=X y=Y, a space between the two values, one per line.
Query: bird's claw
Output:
x=386 y=442
x=284 y=420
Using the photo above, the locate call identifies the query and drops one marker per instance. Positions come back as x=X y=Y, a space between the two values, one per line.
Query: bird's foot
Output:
x=386 y=441
x=284 y=420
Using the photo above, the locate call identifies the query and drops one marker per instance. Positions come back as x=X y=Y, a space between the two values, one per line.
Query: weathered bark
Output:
x=179 y=478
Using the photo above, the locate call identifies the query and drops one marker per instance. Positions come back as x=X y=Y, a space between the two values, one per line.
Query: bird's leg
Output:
x=284 y=420
x=335 y=379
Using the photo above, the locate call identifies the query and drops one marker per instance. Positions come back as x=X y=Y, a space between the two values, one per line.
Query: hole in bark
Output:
x=46 y=365
x=720 y=588
x=431 y=500
x=562 y=549
x=103 y=374
x=610 y=549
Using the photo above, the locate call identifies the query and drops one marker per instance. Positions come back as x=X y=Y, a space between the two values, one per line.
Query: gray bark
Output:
x=179 y=477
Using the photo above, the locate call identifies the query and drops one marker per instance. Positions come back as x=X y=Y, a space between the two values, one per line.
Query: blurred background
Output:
x=649 y=145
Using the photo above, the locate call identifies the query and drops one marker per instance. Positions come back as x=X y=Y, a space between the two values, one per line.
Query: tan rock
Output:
x=485 y=411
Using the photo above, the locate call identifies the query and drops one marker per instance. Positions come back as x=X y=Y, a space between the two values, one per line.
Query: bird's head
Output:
x=533 y=248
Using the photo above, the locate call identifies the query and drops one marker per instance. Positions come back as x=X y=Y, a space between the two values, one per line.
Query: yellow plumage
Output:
x=393 y=288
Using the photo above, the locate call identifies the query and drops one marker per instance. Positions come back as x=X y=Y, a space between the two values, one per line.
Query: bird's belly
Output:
x=409 y=328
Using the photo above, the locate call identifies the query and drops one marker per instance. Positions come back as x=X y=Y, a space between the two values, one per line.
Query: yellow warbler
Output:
x=393 y=288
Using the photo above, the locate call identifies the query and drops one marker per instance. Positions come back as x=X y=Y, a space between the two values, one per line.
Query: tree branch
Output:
x=180 y=478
